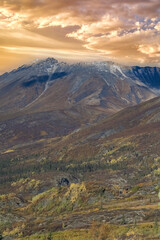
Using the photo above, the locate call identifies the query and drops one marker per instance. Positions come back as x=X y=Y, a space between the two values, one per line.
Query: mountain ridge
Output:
x=61 y=97
x=125 y=84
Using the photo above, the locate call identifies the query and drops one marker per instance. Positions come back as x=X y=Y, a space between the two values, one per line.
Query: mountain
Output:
x=49 y=85
x=80 y=152
x=50 y=98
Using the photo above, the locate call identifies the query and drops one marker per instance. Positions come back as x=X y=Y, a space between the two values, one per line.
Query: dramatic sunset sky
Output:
x=125 y=31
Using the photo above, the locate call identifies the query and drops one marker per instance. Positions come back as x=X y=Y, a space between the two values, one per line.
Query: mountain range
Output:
x=57 y=98
x=53 y=85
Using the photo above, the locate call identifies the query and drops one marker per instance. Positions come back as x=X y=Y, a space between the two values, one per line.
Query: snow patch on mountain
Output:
x=50 y=71
x=114 y=69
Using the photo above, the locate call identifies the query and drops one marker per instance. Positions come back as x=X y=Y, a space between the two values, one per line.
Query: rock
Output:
x=63 y=182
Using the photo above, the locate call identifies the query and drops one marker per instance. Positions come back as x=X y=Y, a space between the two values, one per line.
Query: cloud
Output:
x=152 y=50
x=77 y=12
x=105 y=26
x=136 y=43
x=126 y=31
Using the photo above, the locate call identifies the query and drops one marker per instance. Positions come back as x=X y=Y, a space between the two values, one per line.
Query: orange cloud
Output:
x=125 y=31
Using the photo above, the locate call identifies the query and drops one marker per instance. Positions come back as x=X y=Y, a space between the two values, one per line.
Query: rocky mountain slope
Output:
x=50 y=85
x=50 y=98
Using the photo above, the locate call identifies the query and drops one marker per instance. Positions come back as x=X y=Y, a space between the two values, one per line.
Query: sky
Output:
x=123 y=31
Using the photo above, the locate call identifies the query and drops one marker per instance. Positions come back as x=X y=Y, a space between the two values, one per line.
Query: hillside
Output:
x=100 y=181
